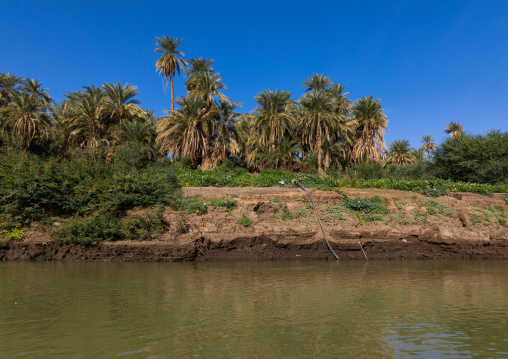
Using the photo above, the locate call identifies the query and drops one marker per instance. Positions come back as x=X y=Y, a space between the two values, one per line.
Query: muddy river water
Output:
x=377 y=309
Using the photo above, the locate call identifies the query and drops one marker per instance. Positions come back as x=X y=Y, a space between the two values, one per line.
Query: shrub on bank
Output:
x=32 y=187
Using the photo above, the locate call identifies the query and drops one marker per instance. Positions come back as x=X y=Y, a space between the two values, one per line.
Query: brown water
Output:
x=357 y=309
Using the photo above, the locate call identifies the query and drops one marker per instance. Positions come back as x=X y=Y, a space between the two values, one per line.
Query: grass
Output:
x=238 y=177
x=475 y=218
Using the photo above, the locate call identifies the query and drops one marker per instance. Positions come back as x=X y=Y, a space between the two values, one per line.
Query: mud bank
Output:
x=257 y=249
x=282 y=226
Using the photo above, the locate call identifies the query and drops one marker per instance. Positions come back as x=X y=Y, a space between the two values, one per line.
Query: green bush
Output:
x=359 y=205
x=373 y=205
x=366 y=171
x=245 y=221
x=31 y=187
x=13 y=234
x=225 y=204
x=104 y=226
x=197 y=207
x=474 y=158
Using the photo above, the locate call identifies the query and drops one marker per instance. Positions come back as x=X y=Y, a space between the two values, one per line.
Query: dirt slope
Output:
x=279 y=223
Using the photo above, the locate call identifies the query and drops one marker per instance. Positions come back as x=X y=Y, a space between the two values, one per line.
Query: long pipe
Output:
x=295 y=181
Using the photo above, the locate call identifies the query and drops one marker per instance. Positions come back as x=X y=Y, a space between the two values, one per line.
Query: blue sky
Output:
x=430 y=62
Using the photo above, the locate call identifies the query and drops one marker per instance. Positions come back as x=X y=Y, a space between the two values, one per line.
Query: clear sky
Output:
x=430 y=62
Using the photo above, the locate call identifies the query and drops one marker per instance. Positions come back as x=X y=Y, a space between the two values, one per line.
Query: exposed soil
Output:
x=283 y=226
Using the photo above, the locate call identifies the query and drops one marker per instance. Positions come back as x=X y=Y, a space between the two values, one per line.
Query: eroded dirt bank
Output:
x=280 y=224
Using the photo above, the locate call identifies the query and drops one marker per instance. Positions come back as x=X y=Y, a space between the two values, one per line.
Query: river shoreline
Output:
x=283 y=227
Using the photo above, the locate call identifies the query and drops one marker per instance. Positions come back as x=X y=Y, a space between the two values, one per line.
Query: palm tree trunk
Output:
x=172 y=94
x=327 y=161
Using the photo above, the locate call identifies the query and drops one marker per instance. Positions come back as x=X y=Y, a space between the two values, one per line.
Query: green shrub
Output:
x=366 y=171
x=194 y=205
x=105 y=226
x=225 y=204
x=245 y=221
x=89 y=230
x=474 y=158
x=13 y=234
x=31 y=186
x=359 y=205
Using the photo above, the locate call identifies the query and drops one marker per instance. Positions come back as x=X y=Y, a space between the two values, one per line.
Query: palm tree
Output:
x=341 y=104
x=184 y=131
x=332 y=150
x=170 y=62
x=318 y=123
x=206 y=88
x=63 y=115
x=89 y=122
x=282 y=156
x=27 y=118
x=428 y=145
x=454 y=129
x=274 y=117
x=226 y=131
x=34 y=89
x=120 y=102
x=137 y=131
x=246 y=141
x=400 y=153
x=196 y=67
x=371 y=123
x=419 y=154
x=9 y=85
x=317 y=83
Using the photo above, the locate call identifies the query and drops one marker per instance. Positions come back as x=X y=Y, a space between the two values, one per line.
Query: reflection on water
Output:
x=254 y=310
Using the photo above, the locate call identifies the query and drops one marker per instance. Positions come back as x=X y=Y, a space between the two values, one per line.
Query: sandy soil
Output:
x=282 y=226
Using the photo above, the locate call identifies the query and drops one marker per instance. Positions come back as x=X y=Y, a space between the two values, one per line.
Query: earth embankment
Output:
x=279 y=223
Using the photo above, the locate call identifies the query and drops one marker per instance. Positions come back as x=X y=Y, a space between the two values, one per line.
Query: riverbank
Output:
x=278 y=223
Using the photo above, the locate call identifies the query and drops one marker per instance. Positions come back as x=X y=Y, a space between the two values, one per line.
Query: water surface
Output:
x=456 y=309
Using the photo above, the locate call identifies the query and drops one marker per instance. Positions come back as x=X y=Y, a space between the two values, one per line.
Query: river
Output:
x=378 y=309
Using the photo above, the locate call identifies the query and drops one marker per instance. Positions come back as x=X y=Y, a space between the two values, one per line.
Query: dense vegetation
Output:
x=95 y=194
x=98 y=153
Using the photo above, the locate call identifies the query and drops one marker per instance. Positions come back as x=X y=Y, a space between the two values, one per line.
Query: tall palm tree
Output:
x=183 y=131
x=274 y=116
x=341 y=104
x=454 y=129
x=120 y=102
x=318 y=123
x=371 y=123
x=317 y=83
x=196 y=67
x=428 y=145
x=170 y=62
x=34 y=89
x=400 y=153
x=206 y=88
x=27 y=119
